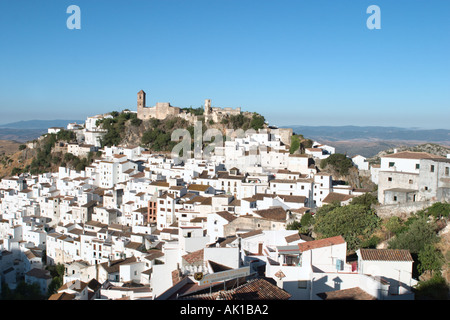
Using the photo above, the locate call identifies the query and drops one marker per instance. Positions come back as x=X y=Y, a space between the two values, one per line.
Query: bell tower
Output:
x=207 y=110
x=141 y=99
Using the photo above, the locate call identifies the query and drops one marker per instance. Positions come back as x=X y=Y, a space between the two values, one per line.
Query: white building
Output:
x=360 y=162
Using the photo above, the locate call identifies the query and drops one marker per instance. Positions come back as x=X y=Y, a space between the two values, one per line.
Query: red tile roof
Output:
x=193 y=257
x=309 y=245
x=335 y=196
x=385 y=255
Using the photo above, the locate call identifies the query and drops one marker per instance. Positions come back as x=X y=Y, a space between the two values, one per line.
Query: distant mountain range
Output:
x=38 y=124
x=23 y=131
x=340 y=133
x=368 y=141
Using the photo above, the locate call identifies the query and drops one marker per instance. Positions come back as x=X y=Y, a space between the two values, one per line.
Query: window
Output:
x=391 y=164
x=446 y=171
x=417 y=165
x=410 y=181
x=432 y=168
x=302 y=284
x=395 y=198
x=390 y=179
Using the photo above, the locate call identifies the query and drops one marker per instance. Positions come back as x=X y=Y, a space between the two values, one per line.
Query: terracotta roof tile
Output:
x=385 y=255
x=335 y=196
x=275 y=213
x=226 y=215
x=193 y=257
x=309 y=245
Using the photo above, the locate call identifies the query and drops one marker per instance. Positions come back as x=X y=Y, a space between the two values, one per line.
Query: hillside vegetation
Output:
x=154 y=134
x=299 y=143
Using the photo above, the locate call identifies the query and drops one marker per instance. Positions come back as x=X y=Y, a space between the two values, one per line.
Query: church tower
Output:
x=141 y=99
x=207 y=110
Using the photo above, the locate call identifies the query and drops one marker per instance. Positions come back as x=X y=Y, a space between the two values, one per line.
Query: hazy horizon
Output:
x=2 y=123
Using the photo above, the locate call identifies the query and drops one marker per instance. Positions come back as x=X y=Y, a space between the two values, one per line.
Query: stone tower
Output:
x=141 y=99
x=207 y=107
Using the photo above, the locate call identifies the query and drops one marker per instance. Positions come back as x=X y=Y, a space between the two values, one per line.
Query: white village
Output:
x=135 y=224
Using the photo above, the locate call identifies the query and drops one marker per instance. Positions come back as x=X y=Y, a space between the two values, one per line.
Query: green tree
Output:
x=23 y=291
x=294 y=225
x=65 y=135
x=435 y=288
x=430 y=259
x=323 y=210
x=419 y=233
x=136 y=122
x=257 y=122
x=16 y=171
x=393 y=225
x=57 y=274
x=439 y=210
x=366 y=199
x=338 y=162
x=307 y=219
x=295 y=144
x=307 y=223
x=355 y=223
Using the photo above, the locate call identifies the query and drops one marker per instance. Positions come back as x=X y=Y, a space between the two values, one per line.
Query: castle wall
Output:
x=162 y=110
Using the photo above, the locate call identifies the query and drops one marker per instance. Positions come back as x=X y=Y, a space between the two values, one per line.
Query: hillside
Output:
x=8 y=147
x=154 y=134
x=23 y=131
x=21 y=135
x=122 y=129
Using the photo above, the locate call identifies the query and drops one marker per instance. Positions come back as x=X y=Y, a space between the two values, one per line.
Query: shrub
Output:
x=339 y=162
x=416 y=236
x=355 y=223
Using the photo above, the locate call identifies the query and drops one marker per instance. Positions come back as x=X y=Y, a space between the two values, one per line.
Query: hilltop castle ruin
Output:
x=162 y=110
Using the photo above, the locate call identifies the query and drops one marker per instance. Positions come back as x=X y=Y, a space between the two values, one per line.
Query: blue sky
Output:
x=299 y=62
